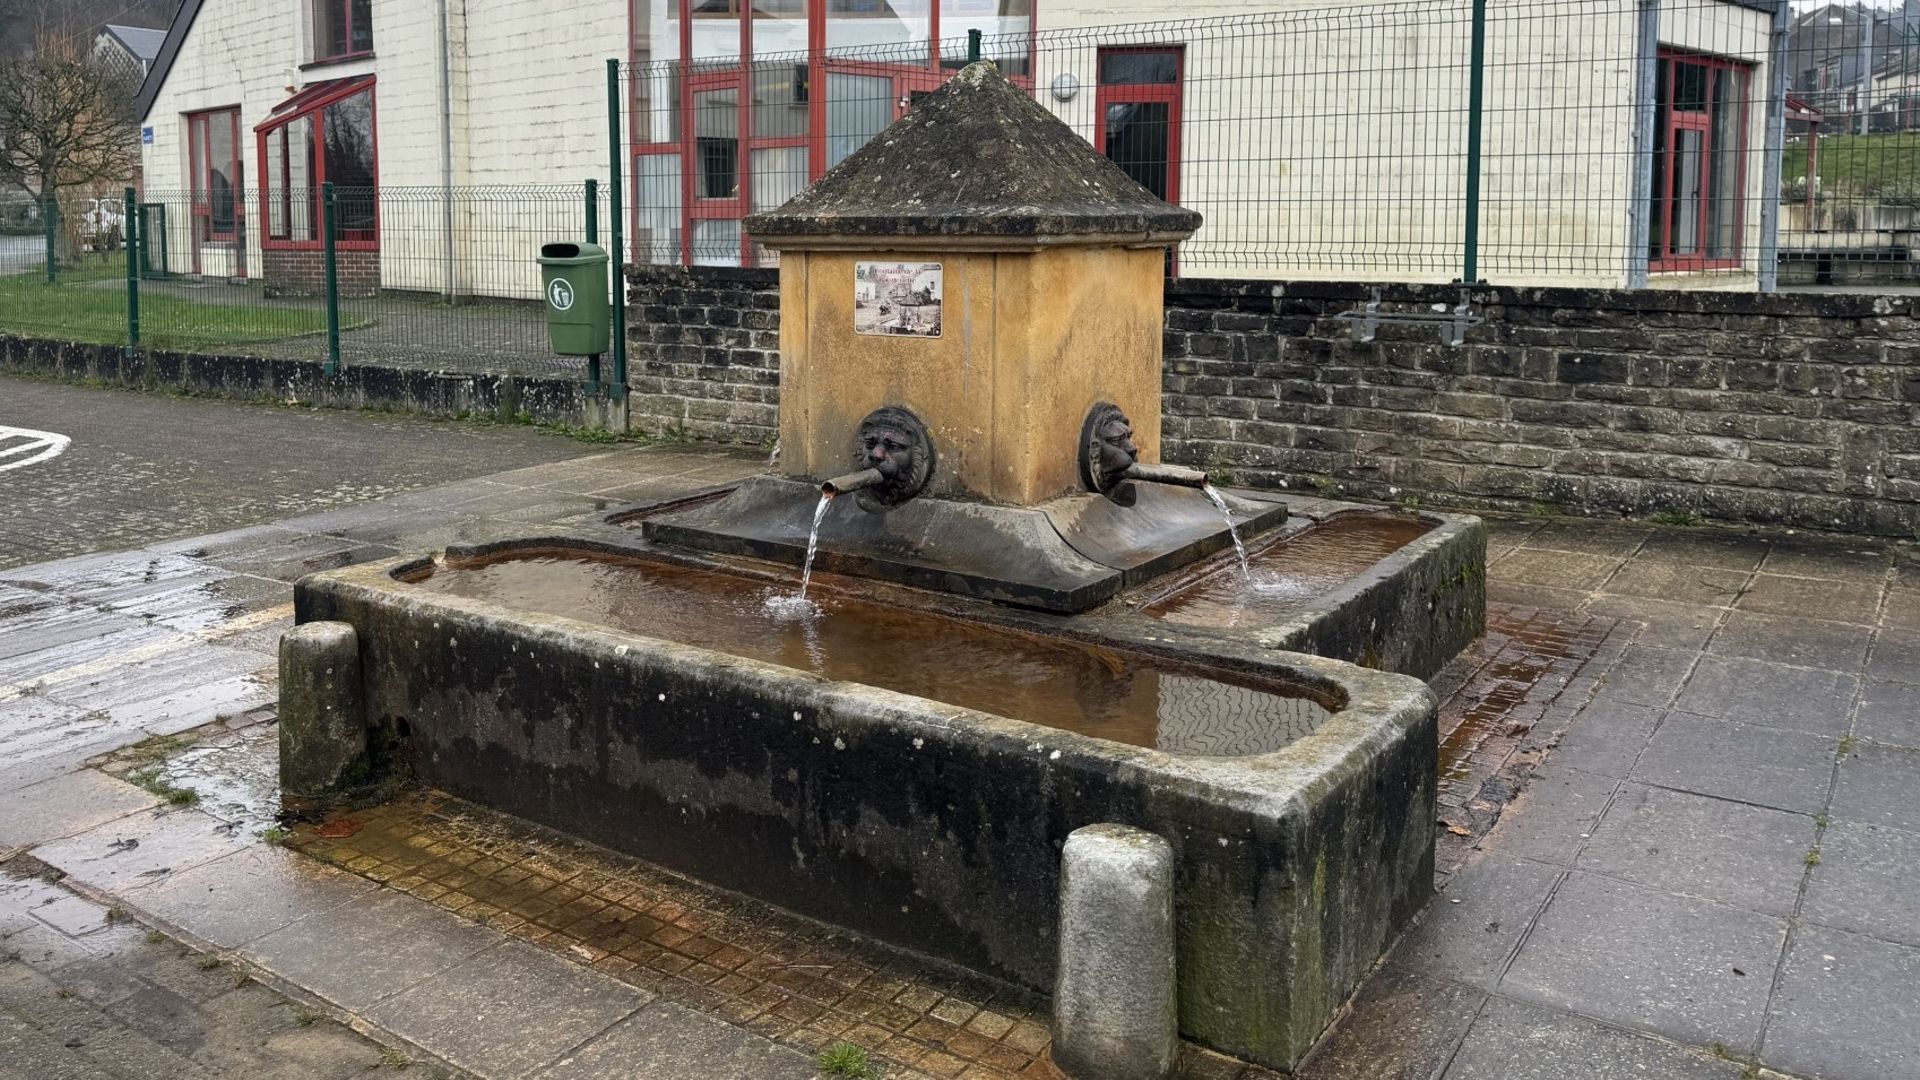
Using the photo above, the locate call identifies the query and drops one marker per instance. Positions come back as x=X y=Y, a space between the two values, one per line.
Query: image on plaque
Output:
x=896 y=298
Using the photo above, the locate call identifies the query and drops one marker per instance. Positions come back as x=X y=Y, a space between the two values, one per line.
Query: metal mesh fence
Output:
x=430 y=278
x=1587 y=142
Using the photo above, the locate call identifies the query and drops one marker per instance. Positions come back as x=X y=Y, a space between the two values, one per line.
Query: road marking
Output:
x=43 y=445
x=105 y=664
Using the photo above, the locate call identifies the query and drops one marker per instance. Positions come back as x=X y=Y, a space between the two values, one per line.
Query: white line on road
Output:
x=48 y=445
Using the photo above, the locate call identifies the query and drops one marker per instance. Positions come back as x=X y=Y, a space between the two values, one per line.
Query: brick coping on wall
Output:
x=1794 y=409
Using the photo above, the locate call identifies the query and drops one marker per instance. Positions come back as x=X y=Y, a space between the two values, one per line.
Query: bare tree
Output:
x=66 y=122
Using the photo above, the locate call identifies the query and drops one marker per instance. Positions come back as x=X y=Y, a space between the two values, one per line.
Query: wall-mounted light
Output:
x=1065 y=86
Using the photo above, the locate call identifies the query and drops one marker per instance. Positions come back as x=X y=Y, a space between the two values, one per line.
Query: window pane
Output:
x=1723 y=203
x=222 y=171
x=716 y=242
x=716 y=127
x=1134 y=67
x=1004 y=23
x=329 y=28
x=197 y=157
x=780 y=92
x=657 y=105
x=1687 y=193
x=905 y=24
x=779 y=172
x=858 y=108
x=1137 y=142
x=657 y=237
x=779 y=26
x=302 y=222
x=276 y=183
x=349 y=161
x=716 y=29
x=1690 y=86
x=362 y=25
x=1662 y=193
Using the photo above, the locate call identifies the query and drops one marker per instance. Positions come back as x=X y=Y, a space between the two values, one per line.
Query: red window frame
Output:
x=703 y=75
x=312 y=103
x=200 y=170
x=1666 y=206
x=345 y=8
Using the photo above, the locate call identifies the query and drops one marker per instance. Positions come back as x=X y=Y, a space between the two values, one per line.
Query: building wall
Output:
x=1798 y=410
x=1336 y=134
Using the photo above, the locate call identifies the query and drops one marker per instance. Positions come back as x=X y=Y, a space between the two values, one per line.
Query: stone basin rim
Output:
x=1379 y=705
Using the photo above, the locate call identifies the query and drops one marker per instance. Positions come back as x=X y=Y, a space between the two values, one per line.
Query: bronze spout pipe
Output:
x=1166 y=474
x=841 y=485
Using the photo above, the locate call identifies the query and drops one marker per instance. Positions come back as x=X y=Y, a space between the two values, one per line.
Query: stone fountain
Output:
x=1027 y=623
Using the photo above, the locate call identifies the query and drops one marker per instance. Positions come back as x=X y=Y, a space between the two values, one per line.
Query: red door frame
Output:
x=200 y=199
x=1142 y=93
x=1670 y=261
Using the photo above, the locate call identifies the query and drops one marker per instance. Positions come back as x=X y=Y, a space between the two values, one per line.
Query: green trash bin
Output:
x=573 y=278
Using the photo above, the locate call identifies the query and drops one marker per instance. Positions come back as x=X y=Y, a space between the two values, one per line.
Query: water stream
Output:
x=1240 y=549
x=813 y=542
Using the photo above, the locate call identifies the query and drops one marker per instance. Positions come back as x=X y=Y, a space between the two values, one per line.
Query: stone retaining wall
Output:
x=1790 y=409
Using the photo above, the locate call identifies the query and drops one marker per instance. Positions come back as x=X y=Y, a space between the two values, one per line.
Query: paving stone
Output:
x=72 y=915
x=1684 y=843
x=1667 y=624
x=1692 y=970
x=1615 y=541
x=1660 y=579
x=1557 y=569
x=1785 y=640
x=369 y=948
x=1877 y=785
x=1544 y=597
x=1606 y=737
x=1845 y=1010
x=1868 y=881
x=1553 y=816
x=243 y=896
x=138 y=849
x=1647 y=676
x=1889 y=713
x=1788 y=770
x=1401 y=1027
x=175 y=690
x=1502 y=536
x=1471 y=927
x=1515 y=1041
x=1707 y=549
x=1841 y=601
x=1831 y=562
x=1902 y=609
x=1896 y=656
x=67 y=804
x=667 y=1042
x=507 y=1010
x=1813 y=700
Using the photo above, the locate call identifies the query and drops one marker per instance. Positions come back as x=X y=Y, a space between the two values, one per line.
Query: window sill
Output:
x=336 y=61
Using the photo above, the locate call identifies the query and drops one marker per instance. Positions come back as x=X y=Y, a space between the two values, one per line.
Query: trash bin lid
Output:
x=571 y=253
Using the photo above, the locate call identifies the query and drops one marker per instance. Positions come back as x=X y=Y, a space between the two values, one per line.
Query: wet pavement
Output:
x=1677 y=834
x=143 y=468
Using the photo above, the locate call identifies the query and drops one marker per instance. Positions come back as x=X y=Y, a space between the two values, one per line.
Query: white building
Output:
x=1320 y=140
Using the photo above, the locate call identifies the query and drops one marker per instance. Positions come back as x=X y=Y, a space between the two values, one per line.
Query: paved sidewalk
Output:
x=1708 y=870
x=1716 y=872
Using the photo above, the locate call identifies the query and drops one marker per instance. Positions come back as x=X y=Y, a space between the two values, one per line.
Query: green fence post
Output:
x=50 y=225
x=1476 y=102
x=617 y=245
x=973 y=46
x=593 y=237
x=130 y=241
x=333 y=278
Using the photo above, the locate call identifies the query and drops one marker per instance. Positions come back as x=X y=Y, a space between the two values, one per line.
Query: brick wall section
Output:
x=1792 y=409
x=304 y=273
x=704 y=355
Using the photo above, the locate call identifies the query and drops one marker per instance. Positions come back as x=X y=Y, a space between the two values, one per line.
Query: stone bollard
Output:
x=1114 y=1012
x=323 y=726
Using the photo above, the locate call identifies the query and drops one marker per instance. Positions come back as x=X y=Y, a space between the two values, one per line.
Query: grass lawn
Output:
x=90 y=304
x=1859 y=164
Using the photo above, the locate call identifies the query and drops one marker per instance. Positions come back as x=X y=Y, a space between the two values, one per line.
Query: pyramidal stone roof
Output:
x=976 y=158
